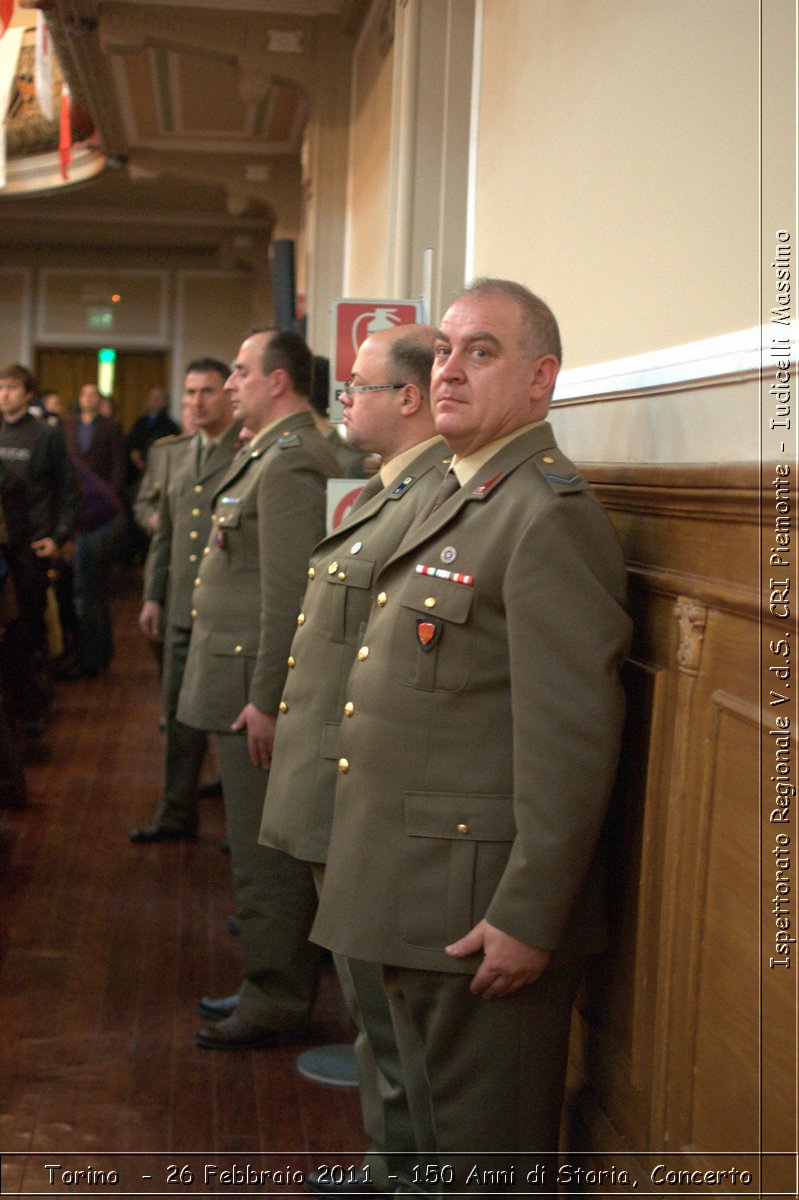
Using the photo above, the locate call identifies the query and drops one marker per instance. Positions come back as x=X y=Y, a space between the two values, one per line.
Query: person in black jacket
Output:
x=33 y=454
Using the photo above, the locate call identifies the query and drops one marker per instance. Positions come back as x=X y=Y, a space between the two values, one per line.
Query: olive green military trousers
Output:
x=275 y=904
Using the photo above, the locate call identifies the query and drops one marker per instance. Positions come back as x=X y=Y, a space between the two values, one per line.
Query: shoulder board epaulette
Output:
x=288 y=439
x=559 y=472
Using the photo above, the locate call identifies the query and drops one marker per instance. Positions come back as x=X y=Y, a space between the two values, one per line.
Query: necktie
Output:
x=203 y=451
x=448 y=488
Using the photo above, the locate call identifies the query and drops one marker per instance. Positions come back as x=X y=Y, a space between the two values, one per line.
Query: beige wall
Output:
x=367 y=251
x=214 y=311
x=617 y=167
x=14 y=315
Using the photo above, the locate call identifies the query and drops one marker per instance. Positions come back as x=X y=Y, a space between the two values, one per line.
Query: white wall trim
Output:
x=730 y=356
x=474 y=138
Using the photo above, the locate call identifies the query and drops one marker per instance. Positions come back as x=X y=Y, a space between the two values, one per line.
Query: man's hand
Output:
x=260 y=728
x=44 y=548
x=150 y=620
x=508 y=964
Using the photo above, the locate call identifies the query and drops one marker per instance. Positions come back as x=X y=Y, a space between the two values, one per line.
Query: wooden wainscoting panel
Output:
x=667 y=1038
x=725 y=975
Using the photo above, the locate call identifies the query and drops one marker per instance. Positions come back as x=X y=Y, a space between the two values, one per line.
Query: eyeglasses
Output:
x=353 y=389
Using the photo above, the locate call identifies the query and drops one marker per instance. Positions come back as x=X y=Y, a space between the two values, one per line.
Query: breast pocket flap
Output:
x=439 y=598
x=351 y=572
x=229 y=517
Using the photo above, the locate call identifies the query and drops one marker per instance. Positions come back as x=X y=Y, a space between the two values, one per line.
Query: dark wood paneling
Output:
x=675 y=1018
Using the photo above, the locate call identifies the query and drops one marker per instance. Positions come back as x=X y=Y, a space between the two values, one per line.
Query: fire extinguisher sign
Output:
x=353 y=321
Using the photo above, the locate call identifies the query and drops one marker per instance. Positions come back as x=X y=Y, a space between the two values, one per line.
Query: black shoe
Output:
x=356 y=1184
x=232 y=1033
x=210 y=790
x=159 y=833
x=216 y=1008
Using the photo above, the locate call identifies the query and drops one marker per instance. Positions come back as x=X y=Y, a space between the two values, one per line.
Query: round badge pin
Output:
x=449 y=554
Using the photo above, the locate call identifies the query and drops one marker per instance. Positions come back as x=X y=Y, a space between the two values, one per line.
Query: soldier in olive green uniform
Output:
x=477 y=763
x=191 y=468
x=386 y=411
x=269 y=510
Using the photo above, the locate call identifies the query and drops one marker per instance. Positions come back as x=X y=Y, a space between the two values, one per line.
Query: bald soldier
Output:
x=268 y=512
x=387 y=412
x=475 y=770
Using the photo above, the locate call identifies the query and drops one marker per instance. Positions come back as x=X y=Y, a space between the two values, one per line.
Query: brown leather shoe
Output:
x=232 y=1033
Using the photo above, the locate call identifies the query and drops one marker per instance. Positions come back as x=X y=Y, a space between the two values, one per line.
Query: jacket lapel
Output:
x=490 y=476
x=298 y=420
x=357 y=516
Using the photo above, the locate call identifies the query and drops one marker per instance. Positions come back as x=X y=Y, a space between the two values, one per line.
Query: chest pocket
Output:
x=236 y=533
x=347 y=602
x=432 y=645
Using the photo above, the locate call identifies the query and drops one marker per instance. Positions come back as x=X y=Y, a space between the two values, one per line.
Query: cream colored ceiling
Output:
x=198 y=109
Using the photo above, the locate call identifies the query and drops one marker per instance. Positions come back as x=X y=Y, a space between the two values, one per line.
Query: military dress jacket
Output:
x=298 y=809
x=269 y=512
x=486 y=713
x=184 y=520
x=153 y=481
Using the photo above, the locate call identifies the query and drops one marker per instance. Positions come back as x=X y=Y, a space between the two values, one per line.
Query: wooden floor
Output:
x=104 y=950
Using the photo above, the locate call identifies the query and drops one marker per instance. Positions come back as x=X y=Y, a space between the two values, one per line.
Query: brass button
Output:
x=301 y=619
x=363 y=653
x=342 y=575
x=194 y=612
x=291 y=662
x=207 y=550
x=311 y=573
x=195 y=512
x=548 y=459
x=194 y=535
x=331 y=570
x=349 y=709
x=382 y=600
x=343 y=766
x=283 y=707
x=430 y=602
x=192 y=558
x=239 y=649
x=463 y=829
x=197 y=581
x=198 y=487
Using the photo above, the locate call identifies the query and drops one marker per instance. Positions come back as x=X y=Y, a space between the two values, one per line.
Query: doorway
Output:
x=135 y=372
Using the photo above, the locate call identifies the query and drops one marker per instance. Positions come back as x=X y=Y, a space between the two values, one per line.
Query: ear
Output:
x=411 y=400
x=542 y=381
x=280 y=381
